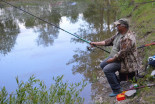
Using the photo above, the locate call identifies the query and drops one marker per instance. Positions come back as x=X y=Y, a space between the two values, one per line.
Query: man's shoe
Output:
x=113 y=94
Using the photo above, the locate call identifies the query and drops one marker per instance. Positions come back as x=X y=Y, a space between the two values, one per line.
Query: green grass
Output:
x=143 y=24
x=142 y=20
x=147 y=94
x=141 y=15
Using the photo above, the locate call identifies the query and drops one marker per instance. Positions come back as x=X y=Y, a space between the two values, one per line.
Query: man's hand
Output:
x=110 y=60
x=101 y=43
x=93 y=44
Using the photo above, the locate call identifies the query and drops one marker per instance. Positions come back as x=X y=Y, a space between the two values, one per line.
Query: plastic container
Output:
x=120 y=97
x=135 y=85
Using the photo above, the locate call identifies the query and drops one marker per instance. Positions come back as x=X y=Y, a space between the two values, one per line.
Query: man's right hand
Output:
x=93 y=44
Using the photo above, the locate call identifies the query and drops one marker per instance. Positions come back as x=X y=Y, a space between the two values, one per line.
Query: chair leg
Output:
x=136 y=75
x=127 y=78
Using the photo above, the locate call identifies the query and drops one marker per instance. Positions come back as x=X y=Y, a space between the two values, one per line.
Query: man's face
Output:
x=120 y=28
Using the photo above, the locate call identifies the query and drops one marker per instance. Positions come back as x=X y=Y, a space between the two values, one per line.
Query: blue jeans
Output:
x=109 y=70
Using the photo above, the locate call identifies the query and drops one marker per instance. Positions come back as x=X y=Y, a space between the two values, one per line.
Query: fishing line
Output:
x=54 y=25
x=61 y=28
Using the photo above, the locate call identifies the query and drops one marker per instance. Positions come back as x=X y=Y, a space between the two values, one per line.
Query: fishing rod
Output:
x=54 y=25
x=153 y=43
x=134 y=88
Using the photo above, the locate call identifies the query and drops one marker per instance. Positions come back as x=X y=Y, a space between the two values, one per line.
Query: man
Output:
x=123 y=56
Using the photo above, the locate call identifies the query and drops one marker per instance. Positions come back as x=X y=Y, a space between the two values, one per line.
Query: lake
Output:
x=29 y=46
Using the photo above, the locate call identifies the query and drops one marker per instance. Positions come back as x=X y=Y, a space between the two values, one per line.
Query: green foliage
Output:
x=34 y=91
x=125 y=8
x=146 y=93
x=3 y=96
x=147 y=78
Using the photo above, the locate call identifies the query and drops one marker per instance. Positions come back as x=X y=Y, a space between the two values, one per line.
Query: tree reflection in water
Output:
x=98 y=26
x=8 y=32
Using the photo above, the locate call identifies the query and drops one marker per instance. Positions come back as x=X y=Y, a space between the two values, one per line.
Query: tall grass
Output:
x=34 y=91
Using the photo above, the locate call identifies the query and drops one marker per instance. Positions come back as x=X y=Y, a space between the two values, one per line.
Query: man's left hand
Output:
x=110 y=60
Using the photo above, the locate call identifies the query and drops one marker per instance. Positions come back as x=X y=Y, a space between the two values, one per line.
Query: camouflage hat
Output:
x=123 y=21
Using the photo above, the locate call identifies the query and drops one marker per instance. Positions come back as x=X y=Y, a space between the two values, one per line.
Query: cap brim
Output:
x=117 y=23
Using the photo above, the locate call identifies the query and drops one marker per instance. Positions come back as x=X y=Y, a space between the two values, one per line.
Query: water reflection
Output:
x=9 y=31
x=51 y=13
x=97 y=26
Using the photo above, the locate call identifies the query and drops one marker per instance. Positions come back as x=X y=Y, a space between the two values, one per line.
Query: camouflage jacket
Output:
x=127 y=54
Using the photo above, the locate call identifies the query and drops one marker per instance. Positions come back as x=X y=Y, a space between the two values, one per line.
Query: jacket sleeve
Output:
x=125 y=49
x=109 y=41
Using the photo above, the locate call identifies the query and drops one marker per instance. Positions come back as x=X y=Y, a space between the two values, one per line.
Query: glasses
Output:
x=118 y=25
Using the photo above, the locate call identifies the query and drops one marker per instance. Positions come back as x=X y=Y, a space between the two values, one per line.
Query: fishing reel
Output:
x=91 y=49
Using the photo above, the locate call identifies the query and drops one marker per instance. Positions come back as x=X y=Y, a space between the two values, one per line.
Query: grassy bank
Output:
x=142 y=19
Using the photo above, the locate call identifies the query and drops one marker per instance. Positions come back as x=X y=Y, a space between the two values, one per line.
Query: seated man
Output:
x=123 y=56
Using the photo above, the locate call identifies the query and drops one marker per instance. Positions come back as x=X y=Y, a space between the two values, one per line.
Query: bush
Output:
x=34 y=91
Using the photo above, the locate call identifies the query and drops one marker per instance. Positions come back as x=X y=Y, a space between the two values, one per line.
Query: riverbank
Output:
x=141 y=17
x=142 y=23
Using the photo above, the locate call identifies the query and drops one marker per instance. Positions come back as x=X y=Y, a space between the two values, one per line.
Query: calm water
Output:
x=29 y=46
